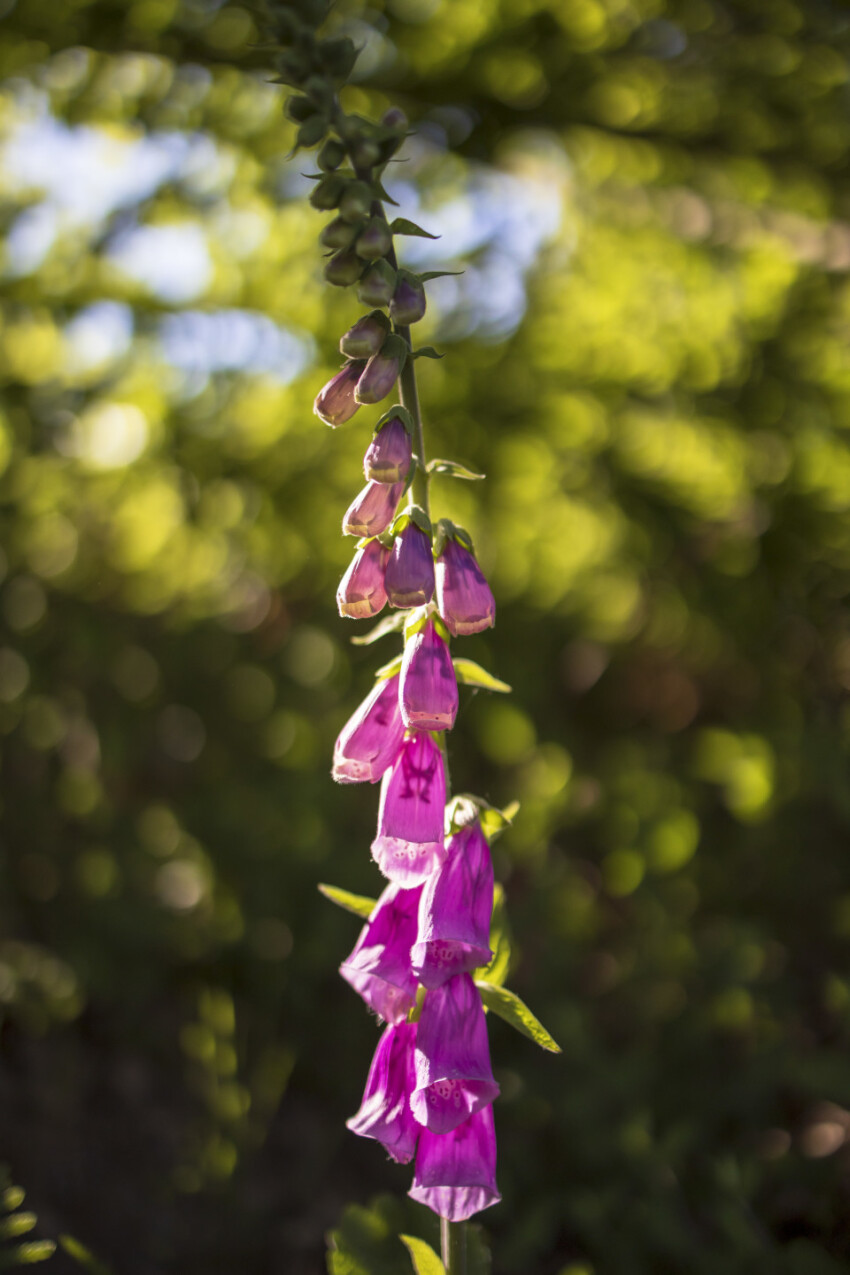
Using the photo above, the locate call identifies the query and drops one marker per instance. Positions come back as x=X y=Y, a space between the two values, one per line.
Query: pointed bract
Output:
x=410 y=843
x=410 y=569
x=455 y=911
x=454 y=1078
x=373 y=510
x=379 y=966
x=361 y=591
x=385 y=1110
x=455 y=1173
x=371 y=740
x=389 y=454
x=464 y=598
x=428 y=684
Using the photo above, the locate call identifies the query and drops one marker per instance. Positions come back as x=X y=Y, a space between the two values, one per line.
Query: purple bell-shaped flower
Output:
x=409 y=579
x=335 y=402
x=361 y=591
x=464 y=598
x=382 y=371
x=455 y=1173
x=379 y=967
x=454 y=1078
x=372 y=511
x=455 y=911
x=410 y=843
x=428 y=683
x=389 y=454
x=385 y=1111
x=371 y=740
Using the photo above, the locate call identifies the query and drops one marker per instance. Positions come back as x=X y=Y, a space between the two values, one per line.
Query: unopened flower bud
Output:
x=378 y=284
x=299 y=108
x=395 y=119
x=366 y=337
x=408 y=301
x=356 y=202
x=343 y=268
x=389 y=454
x=372 y=511
x=375 y=241
x=428 y=688
x=382 y=371
x=335 y=403
x=331 y=155
x=409 y=579
x=361 y=591
x=338 y=55
x=338 y=234
x=464 y=598
x=327 y=192
x=365 y=153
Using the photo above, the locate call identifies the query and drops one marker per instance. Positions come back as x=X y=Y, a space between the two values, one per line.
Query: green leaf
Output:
x=472 y=674
x=359 y=904
x=16 y=1225
x=514 y=1011
x=438 y=274
x=381 y=194
x=81 y=1254
x=425 y=1260
x=389 y=624
x=366 y=1241
x=494 y=821
x=389 y=670
x=452 y=468
x=26 y=1254
x=500 y=942
x=401 y=226
x=12 y=1198
x=427 y=352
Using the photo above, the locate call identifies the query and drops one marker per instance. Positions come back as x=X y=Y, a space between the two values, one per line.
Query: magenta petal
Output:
x=379 y=966
x=454 y=1078
x=335 y=403
x=372 y=511
x=455 y=1172
x=410 y=843
x=410 y=571
x=464 y=598
x=385 y=1110
x=361 y=591
x=455 y=911
x=389 y=454
x=371 y=739
x=428 y=683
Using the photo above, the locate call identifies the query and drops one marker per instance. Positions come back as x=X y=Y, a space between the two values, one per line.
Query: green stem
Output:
x=409 y=395
x=453 y=1246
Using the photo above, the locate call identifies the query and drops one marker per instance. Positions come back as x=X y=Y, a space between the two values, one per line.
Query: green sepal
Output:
x=454 y=469
x=359 y=904
x=440 y=629
x=381 y=194
x=426 y=352
x=464 y=808
x=515 y=1012
x=415 y=514
x=500 y=942
x=448 y=530
x=395 y=412
x=439 y=274
x=495 y=821
x=425 y=1260
x=390 y=624
x=415 y=622
x=401 y=226
x=386 y=671
x=472 y=674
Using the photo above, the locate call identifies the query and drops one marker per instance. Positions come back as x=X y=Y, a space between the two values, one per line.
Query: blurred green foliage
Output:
x=655 y=379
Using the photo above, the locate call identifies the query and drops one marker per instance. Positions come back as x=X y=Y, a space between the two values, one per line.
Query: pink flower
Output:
x=409 y=844
x=428 y=684
x=464 y=598
x=371 y=740
x=361 y=591
x=453 y=1074
x=455 y=1172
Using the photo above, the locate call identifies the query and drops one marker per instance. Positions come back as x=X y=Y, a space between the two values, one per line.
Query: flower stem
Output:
x=453 y=1246
x=409 y=395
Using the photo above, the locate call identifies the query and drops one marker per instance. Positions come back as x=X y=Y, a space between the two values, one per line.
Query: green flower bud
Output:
x=338 y=55
x=343 y=269
x=356 y=202
x=327 y=192
x=378 y=284
x=331 y=155
x=366 y=337
x=365 y=153
x=312 y=131
x=375 y=241
x=395 y=119
x=299 y=109
x=338 y=234
x=408 y=301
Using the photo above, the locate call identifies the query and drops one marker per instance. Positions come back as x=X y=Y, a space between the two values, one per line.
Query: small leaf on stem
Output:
x=425 y=1260
x=514 y=1011
x=359 y=904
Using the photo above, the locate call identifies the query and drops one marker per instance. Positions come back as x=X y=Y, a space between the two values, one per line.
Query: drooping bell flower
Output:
x=361 y=591
x=385 y=1111
x=464 y=598
x=382 y=371
x=455 y=911
x=455 y=1173
x=408 y=302
x=389 y=454
x=454 y=1078
x=409 y=578
x=428 y=688
x=372 y=511
x=379 y=966
x=366 y=337
x=371 y=740
x=410 y=843
x=335 y=402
